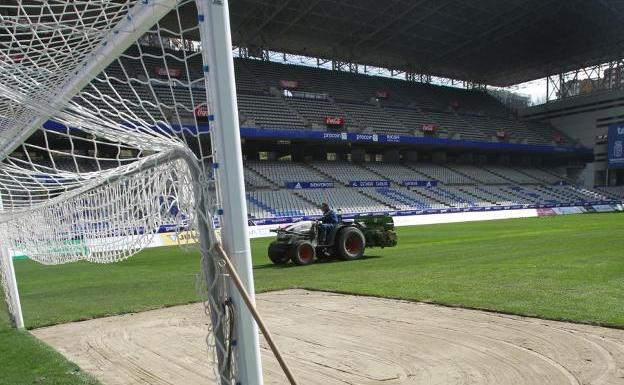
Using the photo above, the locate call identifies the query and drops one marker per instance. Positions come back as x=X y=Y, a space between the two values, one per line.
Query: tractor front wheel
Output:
x=350 y=244
x=278 y=253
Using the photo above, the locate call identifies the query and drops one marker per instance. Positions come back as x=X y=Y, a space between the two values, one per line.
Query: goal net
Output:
x=118 y=119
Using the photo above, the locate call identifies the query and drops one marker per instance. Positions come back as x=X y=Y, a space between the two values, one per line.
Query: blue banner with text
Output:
x=369 y=183
x=420 y=183
x=616 y=146
x=308 y=185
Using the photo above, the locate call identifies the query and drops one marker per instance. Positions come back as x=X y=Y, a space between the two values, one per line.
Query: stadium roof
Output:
x=496 y=42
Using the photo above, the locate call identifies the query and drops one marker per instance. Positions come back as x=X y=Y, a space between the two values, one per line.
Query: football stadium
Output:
x=311 y=192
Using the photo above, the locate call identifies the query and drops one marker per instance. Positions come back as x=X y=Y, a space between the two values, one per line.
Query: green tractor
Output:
x=301 y=244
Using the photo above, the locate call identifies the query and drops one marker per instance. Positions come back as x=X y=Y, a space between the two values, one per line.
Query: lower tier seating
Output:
x=458 y=186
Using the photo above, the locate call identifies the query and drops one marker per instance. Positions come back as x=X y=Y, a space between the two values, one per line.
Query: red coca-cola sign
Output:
x=170 y=71
x=201 y=114
x=429 y=127
x=334 y=121
x=289 y=84
x=382 y=94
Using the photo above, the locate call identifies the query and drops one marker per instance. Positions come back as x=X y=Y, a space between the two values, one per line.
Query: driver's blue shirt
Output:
x=329 y=217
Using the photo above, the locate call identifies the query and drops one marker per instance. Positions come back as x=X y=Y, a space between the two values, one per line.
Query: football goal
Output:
x=118 y=119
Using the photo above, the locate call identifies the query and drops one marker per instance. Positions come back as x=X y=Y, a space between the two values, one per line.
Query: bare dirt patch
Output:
x=338 y=339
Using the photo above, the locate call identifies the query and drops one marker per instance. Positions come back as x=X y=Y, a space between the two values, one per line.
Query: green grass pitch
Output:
x=564 y=268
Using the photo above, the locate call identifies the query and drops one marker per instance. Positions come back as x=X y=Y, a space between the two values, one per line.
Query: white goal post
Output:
x=116 y=119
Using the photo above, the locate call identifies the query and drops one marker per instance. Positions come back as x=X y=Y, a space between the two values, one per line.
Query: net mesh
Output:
x=104 y=138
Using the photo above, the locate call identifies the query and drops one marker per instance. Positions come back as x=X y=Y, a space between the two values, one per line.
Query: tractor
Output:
x=300 y=242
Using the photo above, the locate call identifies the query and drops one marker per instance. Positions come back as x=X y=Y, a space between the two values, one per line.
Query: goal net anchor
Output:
x=7 y=272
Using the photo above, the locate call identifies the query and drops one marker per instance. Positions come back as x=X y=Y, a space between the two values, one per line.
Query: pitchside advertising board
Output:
x=616 y=146
x=420 y=183
x=309 y=185
x=369 y=183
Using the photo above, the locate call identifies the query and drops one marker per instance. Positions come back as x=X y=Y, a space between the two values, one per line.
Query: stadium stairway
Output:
x=451 y=195
x=260 y=204
x=294 y=111
x=390 y=203
x=478 y=198
x=256 y=175
x=431 y=197
x=381 y=176
x=402 y=198
x=501 y=197
x=323 y=172
x=420 y=172
x=536 y=177
x=500 y=175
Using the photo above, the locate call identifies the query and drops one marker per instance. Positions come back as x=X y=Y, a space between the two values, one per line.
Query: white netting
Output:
x=100 y=140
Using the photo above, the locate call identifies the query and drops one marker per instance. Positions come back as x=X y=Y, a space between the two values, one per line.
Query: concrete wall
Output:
x=583 y=118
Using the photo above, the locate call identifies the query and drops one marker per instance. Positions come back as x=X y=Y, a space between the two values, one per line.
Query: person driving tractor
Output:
x=328 y=221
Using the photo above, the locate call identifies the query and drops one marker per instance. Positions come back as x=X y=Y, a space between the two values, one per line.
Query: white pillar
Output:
x=214 y=25
x=15 y=307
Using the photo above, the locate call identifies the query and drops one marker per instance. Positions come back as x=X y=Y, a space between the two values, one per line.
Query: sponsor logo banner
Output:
x=283 y=133
x=369 y=183
x=367 y=137
x=308 y=185
x=616 y=146
x=181 y=238
x=420 y=183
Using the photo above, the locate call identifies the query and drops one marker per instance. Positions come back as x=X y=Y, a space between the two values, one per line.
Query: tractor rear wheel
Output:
x=278 y=253
x=350 y=244
x=302 y=253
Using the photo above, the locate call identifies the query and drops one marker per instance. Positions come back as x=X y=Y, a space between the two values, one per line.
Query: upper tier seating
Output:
x=268 y=112
x=412 y=118
x=314 y=111
x=371 y=118
x=454 y=124
x=459 y=113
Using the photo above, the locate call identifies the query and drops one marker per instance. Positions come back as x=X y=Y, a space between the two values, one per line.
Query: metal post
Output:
x=214 y=25
x=15 y=307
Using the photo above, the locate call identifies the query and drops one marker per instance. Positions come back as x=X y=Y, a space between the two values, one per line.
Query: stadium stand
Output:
x=267 y=112
x=282 y=172
x=314 y=94
x=615 y=192
x=344 y=175
x=459 y=186
x=345 y=199
x=280 y=203
x=263 y=103
x=441 y=173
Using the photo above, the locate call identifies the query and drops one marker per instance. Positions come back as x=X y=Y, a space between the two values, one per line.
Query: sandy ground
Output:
x=336 y=339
